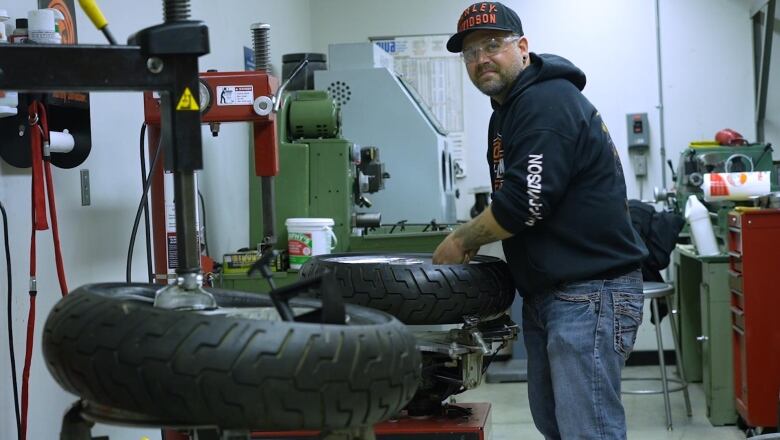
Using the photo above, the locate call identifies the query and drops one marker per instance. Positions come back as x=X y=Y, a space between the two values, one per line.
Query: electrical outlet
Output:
x=85 y=199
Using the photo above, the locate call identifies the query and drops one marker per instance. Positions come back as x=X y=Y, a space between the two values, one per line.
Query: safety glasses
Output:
x=490 y=47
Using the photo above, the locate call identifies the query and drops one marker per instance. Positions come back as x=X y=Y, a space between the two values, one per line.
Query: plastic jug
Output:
x=701 y=227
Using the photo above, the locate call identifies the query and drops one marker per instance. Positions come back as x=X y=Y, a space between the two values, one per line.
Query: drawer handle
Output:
x=702 y=338
x=735 y=254
x=735 y=274
x=737 y=311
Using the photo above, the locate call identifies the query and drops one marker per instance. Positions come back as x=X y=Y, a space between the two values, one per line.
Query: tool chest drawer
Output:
x=735 y=282
x=735 y=240
x=739 y=317
x=737 y=300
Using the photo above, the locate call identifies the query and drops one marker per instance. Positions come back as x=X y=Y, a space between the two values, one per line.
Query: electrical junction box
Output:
x=638 y=142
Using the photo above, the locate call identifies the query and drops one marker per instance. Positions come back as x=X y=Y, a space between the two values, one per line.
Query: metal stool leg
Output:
x=662 y=362
x=678 y=361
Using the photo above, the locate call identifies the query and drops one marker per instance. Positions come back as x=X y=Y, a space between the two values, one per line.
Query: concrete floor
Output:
x=645 y=414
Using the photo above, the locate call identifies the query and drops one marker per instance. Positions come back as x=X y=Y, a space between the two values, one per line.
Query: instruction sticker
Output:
x=187 y=102
x=235 y=95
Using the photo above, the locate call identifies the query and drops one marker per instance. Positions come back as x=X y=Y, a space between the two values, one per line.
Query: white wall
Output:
x=706 y=58
x=772 y=124
x=95 y=238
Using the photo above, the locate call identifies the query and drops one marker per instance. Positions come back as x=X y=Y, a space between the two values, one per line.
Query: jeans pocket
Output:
x=582 y=293
x=628 y=316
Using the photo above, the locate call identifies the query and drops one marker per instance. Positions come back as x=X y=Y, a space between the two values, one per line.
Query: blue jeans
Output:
x=578 y=337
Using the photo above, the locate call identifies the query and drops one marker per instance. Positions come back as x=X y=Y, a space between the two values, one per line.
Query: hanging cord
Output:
x=39 y=137
x=10 y=323
x=38 y=214
x=55 y=230
x=141 y=204
x=146 y=206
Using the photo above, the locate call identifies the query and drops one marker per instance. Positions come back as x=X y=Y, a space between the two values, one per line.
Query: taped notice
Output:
x=235 y=95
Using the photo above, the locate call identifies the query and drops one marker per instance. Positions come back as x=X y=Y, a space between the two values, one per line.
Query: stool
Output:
x=653 y=291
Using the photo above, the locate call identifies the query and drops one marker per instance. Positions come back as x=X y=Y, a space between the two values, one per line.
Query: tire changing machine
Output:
x=323 y=175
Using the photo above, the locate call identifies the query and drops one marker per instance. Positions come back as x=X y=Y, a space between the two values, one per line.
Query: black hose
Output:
x=10 y=323
x=146 y=207
x=137 y=221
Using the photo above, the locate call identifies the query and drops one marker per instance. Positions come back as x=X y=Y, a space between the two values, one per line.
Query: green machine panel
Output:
x=704 y=314
x=330 y=185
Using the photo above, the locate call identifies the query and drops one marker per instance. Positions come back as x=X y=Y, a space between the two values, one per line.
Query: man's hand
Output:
x=464 y=242
x=451 y=251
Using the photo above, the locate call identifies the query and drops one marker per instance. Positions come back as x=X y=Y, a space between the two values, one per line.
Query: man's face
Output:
x=493 y=60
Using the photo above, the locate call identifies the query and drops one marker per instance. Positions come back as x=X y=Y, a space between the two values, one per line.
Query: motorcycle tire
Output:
x=416 y=291
x=227 y=368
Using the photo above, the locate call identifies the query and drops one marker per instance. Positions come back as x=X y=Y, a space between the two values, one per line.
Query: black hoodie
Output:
x=558 y=183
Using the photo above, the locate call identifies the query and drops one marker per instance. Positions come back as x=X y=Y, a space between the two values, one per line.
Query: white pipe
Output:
x=661 y=130
x=61 y=142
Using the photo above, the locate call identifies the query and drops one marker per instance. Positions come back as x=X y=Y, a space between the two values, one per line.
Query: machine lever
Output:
x=332 y=311
x=277 y=99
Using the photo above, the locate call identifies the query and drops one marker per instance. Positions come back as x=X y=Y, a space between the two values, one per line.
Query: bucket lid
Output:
x=309 y=222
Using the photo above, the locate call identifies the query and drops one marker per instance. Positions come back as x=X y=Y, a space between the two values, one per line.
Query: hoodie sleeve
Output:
x=538 y=168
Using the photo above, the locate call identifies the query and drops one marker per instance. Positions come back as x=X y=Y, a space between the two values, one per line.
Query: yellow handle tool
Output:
x=94 y=13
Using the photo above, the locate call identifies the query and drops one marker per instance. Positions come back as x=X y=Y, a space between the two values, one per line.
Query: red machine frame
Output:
x=266 y=152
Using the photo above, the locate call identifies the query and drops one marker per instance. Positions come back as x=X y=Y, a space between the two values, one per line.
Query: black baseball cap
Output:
x=484 y=15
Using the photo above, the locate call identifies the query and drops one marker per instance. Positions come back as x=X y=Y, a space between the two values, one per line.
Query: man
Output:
x=560 y=208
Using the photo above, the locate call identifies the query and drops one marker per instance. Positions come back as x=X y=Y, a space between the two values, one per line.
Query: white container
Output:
x=701 y=227
x=307 y=237
x=736 y=186
x=5 y=30
x=42 y=27
x=8 y=103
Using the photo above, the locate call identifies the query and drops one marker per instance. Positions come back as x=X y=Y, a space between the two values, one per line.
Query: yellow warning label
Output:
x=187 y=102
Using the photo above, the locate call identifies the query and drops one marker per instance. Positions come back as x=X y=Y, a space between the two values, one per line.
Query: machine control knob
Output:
x=696 y=179
x=263 y=105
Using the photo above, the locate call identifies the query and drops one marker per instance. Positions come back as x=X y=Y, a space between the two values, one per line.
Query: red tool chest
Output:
x=754 y=278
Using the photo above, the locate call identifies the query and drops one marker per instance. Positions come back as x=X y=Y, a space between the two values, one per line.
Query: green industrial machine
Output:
x=323 y=175
x=702 y=297
x=699 y=159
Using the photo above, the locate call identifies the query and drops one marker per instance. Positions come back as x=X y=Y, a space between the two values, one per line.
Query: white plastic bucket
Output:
x=701 y=227
x=307 y=237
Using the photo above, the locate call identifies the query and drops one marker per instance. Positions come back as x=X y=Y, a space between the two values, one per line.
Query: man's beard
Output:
x=502 y=80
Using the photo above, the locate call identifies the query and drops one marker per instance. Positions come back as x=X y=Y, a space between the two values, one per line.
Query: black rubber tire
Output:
x=422 y=293
x=230 y=371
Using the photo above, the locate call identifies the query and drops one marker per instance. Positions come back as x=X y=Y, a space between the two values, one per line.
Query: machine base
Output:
x=477 y=426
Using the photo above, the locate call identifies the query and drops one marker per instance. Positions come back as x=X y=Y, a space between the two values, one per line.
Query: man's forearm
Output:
x=483 y=229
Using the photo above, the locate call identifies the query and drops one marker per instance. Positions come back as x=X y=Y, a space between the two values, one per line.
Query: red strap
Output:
x=36 y=154
x=55 y=231
x=28 y=362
